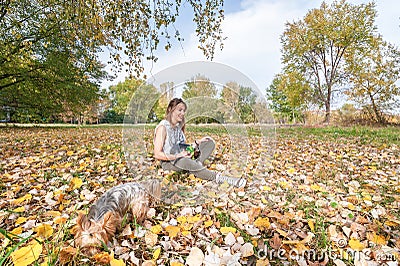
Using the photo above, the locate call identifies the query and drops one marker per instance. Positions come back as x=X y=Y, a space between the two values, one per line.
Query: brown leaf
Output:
x=275 y=242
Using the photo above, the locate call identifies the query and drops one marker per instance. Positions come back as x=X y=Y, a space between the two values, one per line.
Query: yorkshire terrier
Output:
x=130 y=200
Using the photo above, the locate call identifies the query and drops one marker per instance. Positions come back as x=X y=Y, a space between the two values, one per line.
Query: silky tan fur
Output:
x=131 y=200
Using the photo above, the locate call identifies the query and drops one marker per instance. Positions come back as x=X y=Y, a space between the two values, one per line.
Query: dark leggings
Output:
x=194 y=166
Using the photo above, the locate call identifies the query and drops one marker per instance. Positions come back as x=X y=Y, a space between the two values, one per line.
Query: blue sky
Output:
x=253 y=29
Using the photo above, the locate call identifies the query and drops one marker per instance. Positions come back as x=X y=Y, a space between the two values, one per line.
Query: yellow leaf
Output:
x=16 y=231
x=172 y=231
x=208 y=223
x=76 y=183
x=70 y=153
x=20 y=209
x=262 y=223
x=115 y=262
x=226 y=230
x=266 y=188
x=351 y=206
x=185 y=233
x=53 y=213
x=311 y=225
x=156 y=254
x=291 y=171
x=26 y=255
x=315 y=187
x=110 y=178
x=284 y=184
x=376 y=239
x=181 y=219
x=281 y=232
x=193 y=219
x=26 y=197
x=60 y=220
x=186 y=226
x=156 y=229
x=263 y=200
x=176 y=263
x=356 y=245
x=44 y=230
x=20 y=220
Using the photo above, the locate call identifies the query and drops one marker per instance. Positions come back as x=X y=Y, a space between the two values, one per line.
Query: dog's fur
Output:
x=129 y=200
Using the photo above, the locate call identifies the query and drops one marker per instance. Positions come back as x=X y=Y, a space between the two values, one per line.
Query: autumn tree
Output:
x=129 y=31
x=317 y=45
x=373 y=76
x=288 y=96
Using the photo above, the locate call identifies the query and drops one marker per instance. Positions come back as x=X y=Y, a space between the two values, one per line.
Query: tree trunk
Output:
x=327 y=119
x=379 y=117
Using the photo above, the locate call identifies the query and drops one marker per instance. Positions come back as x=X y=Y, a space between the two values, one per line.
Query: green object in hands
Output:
x=190 y=149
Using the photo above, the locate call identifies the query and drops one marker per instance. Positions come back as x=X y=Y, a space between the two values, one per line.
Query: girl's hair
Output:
x=171 y=107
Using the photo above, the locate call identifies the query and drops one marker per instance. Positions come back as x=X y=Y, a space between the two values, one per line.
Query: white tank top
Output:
x=174 y=136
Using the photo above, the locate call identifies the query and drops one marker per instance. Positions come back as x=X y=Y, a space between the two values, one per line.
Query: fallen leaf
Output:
x=376 y=239
x=150 y=238
x=27 y=255
x=262 y=223
x=44 y=230
x=247 y=250
x=196 y=257
x=156 y=253
x=66 y=254
x=356 y=244
x=26 y=197
x=172 y=231
x=227 y=229
x=102 y=258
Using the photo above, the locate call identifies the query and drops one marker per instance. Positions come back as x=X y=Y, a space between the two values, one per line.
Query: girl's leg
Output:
x=206 y=149
x=192 y=166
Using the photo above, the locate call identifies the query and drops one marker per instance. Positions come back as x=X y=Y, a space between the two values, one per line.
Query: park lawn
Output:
x=312 y=192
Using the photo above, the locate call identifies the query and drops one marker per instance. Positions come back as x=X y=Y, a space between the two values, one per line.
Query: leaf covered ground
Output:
x=319 y=199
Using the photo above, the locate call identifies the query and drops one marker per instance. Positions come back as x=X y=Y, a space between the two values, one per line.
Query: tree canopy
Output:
x=49 y=49
x=317 y=46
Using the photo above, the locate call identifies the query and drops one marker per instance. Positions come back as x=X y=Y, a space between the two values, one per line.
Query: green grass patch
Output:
x=361 y=134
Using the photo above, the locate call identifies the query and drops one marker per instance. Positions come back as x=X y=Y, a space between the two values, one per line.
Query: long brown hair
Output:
x=171 y=107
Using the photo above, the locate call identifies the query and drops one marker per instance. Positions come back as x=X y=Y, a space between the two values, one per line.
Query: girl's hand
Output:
x=183 y=154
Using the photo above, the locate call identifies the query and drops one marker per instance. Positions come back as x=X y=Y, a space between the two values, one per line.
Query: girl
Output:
x=170 y=133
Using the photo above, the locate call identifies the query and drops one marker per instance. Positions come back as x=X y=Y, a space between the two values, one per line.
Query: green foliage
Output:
x=201 y=95
x=317 y=45
x=373 y=75
x=49 y=50
x=285 y=100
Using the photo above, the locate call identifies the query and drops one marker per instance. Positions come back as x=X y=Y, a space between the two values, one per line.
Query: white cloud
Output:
x=253 y=37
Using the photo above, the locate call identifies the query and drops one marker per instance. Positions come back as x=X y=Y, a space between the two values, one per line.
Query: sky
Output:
x=253 y=29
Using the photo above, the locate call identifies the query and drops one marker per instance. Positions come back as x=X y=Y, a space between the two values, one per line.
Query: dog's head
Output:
x=153 y=188
x=91 y=236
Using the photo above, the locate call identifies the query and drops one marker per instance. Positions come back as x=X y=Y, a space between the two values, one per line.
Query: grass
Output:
x=363 y=135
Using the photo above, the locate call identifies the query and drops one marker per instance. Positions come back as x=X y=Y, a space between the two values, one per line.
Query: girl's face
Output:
x=178 y=114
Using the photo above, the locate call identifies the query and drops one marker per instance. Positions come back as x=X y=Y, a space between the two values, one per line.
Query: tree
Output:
x=122 y=93
x=247 y=100
x=200 y=94
x=288 y=97
x=131 y=28
x=373 y=75
x=33 y=32
x=317 y=46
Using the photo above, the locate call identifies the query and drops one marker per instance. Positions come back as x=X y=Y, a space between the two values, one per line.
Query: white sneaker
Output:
x=233 y=181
